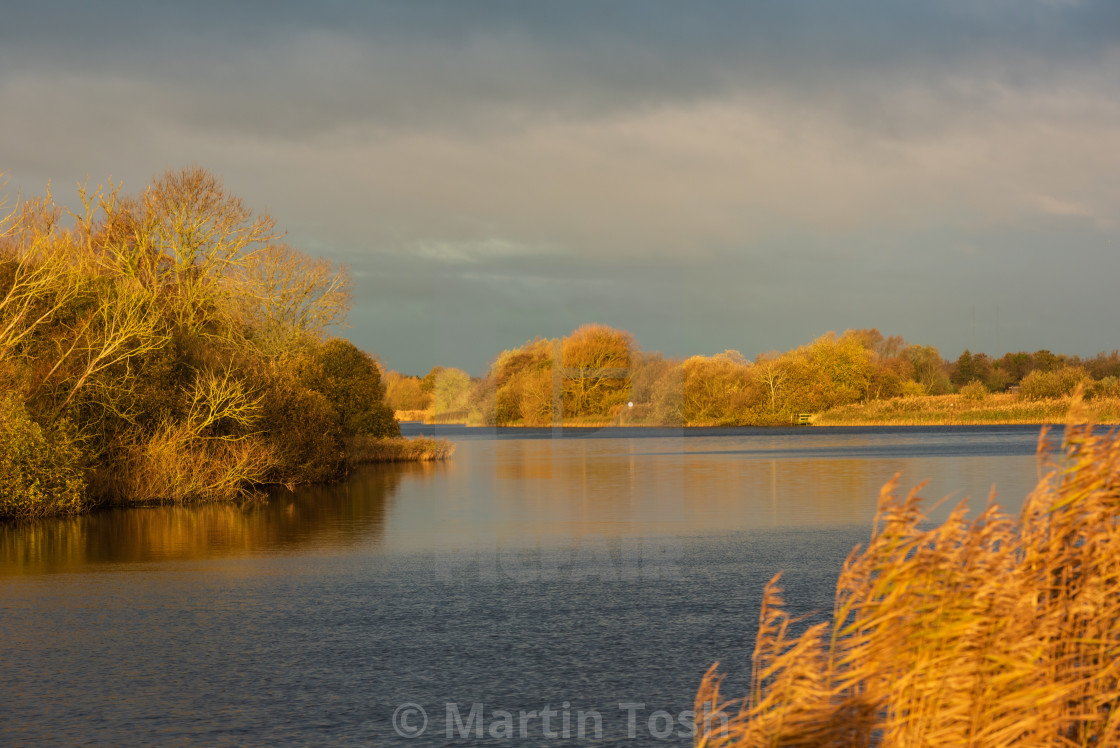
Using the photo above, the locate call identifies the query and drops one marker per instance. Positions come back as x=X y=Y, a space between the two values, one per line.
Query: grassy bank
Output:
x=955 y=409
x=637 y=417
x=928 y=410
x=365 y=449
x=991 y=632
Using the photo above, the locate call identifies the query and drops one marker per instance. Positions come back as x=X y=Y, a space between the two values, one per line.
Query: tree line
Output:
x=599 y=374
x=170 y=346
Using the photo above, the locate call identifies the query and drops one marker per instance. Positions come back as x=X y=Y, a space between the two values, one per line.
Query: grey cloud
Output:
x=706 y=174
x=933 y=287
x=292 y=70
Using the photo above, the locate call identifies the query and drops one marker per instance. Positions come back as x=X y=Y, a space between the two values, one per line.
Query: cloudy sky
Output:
x=707 y=175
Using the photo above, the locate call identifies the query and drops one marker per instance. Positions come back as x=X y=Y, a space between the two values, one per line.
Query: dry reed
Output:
x=984 y=632
x=932 y=410
x=362 y=449
x=411 y=415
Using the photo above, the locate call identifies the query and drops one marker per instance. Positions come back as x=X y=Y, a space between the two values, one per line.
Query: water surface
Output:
x=537 y=568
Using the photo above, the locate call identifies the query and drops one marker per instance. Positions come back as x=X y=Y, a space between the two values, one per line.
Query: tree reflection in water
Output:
x=310 y=518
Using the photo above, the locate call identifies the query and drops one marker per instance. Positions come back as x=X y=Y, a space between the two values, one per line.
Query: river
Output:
x=570 y=587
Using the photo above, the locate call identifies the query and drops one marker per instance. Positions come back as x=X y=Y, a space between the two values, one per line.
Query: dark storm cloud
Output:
x=295 y=69
x=707 y=174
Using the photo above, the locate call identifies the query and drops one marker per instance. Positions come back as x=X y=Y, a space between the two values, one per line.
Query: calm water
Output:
x=560 y=574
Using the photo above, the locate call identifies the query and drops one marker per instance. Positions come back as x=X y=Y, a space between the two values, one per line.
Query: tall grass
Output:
x=993 y=631
x=411 y=415
x=954 y=409
x=363 y=449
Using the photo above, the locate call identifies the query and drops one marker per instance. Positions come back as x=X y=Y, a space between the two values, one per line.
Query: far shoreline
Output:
x=997 y=409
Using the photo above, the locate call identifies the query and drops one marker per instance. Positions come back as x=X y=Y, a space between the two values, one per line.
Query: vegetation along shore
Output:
x=599 y=376
x=169 y=346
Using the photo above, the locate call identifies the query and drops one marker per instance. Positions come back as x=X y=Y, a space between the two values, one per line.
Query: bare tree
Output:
x=37 y=279
x=287 y=295
x=121 y=326
x=771 y=372
x=197 y=236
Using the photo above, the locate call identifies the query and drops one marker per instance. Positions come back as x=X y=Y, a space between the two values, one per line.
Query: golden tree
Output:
x=288 y=296
x=596 y=369
x=37 y=277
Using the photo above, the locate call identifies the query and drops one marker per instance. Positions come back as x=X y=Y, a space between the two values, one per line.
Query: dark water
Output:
x=589 y=576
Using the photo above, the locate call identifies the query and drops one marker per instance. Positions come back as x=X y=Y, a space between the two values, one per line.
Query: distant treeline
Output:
x=594 y=375
x=169 y=346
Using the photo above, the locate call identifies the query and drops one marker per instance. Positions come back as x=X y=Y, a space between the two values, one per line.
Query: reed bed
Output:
x=363 y=449
x=411 y=415
x=450 y=416
x=954 y=409
x=993 y=631
x=430 y=416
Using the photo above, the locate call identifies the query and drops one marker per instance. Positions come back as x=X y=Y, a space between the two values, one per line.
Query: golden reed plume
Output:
x=982 y=632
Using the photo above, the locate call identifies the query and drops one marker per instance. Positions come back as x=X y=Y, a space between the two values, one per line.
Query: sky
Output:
x=707 y=175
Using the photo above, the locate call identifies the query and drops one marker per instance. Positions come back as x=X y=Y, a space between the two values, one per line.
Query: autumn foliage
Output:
x=599 y=375
x=169 y=346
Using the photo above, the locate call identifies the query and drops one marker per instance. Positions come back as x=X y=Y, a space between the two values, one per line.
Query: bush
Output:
x=911 y=388
x=1042 y=385
x=41 y=470
x=176 y=464
x=302 y=430
x=351 y=382
x=1109 y=387
x=974 y=390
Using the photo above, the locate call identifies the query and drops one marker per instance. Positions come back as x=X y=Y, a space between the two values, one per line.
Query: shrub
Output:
x=974 y=390
x=176 y=464
x=302 y=431
x=911 y=388
x=1109 y=387
x=1041 y=385
x=351 y=382
x=41 y=470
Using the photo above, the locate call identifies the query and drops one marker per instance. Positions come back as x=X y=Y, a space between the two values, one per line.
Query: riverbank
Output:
x=947 y=410
x=71 y=497
x=638 y=418
x=928 y=410
x=365 y=450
